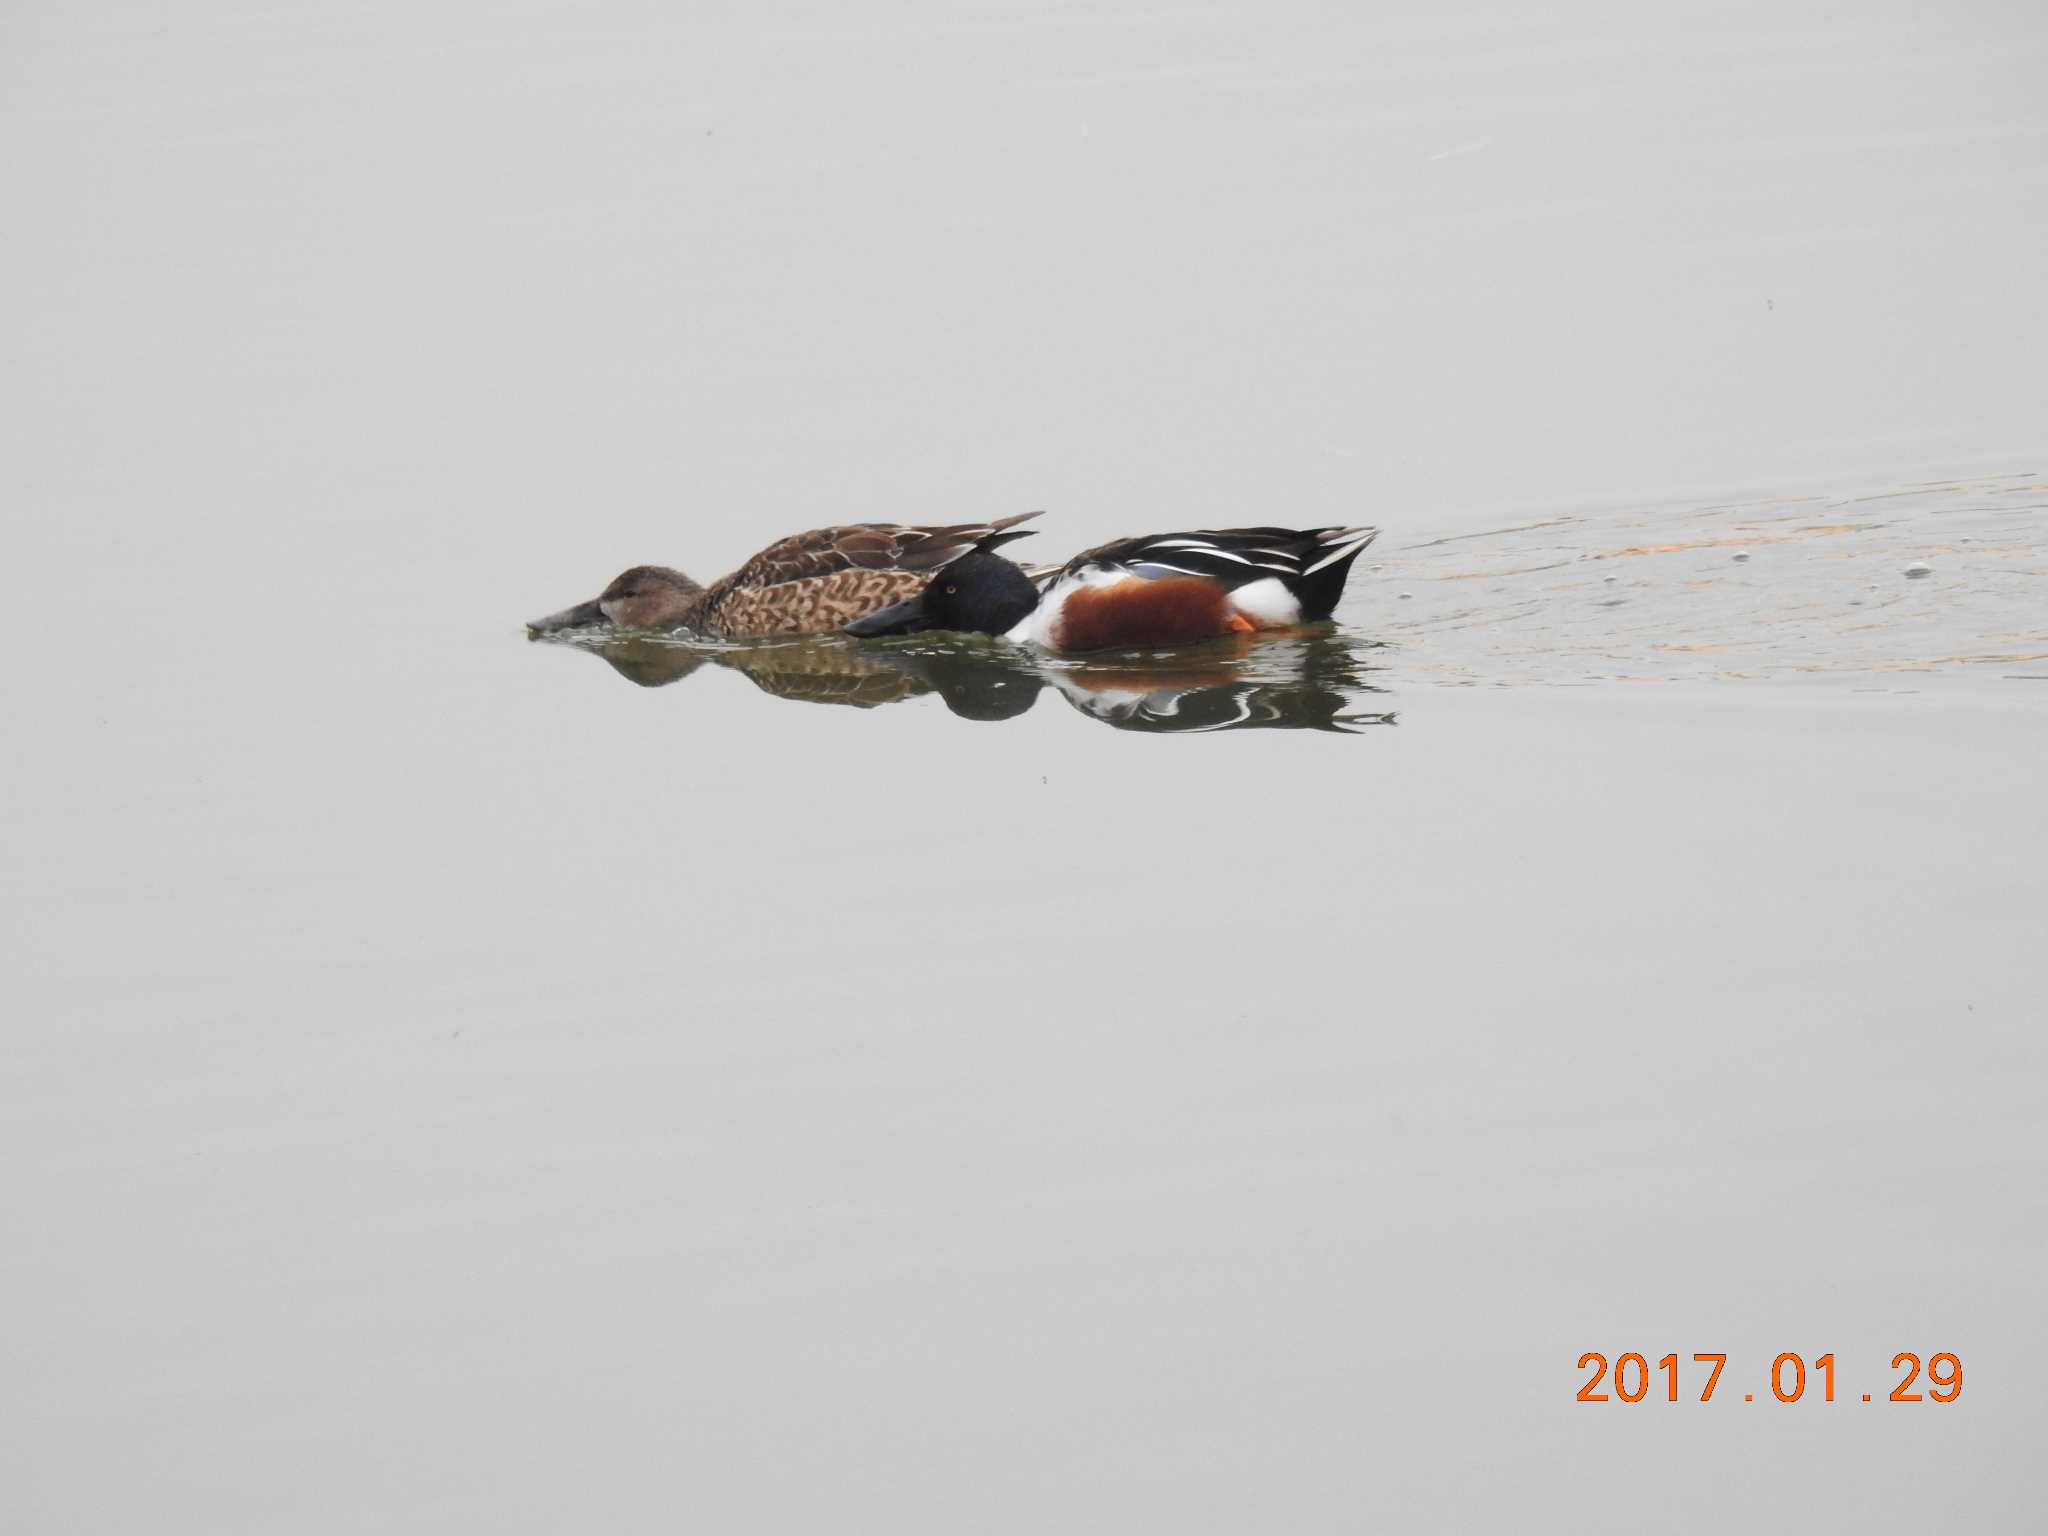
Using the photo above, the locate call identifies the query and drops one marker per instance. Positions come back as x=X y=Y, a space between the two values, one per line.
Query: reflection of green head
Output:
x=978 y=680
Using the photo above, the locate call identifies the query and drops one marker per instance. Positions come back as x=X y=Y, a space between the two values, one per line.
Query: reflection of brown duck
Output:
x=808 y=671
x=821 y=673
x=807 y=584
x=649 y=663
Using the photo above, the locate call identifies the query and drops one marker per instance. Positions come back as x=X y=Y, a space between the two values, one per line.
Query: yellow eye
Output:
x=951 y=588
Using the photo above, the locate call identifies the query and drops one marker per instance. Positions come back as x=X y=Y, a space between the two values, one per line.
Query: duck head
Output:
x=977 y=594
x=645 y=597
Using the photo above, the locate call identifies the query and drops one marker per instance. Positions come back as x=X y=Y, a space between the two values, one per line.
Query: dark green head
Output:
x=977 y=594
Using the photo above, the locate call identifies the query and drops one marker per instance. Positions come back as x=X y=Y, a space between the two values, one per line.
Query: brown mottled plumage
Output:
x=808 y=584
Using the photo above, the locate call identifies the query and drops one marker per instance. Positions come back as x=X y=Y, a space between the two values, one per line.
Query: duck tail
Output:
x=1326 y=568
x=1004 y=530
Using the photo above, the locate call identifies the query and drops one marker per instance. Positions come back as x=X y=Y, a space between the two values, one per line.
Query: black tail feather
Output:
x=1320 y=590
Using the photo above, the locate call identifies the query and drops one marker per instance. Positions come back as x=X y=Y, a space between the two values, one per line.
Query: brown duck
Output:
x=807 y=584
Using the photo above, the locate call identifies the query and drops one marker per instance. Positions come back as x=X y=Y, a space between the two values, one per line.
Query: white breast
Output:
x=1267 y=603
x=1039 y=624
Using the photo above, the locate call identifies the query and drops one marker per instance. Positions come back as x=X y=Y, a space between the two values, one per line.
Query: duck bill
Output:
x=580 y=617
x=904 y=618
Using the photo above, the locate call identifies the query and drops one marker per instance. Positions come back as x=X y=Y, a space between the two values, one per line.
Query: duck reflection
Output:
x=1304 y=681
x=1244 y=682
x=821 y=671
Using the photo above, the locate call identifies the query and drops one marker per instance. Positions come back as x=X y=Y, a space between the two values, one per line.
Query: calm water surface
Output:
x=449 y=1083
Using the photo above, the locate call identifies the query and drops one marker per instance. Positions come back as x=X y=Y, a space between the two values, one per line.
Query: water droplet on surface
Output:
x=1918 y=569
x=1406 y=595
x=1741 y=555
x=1610 y=578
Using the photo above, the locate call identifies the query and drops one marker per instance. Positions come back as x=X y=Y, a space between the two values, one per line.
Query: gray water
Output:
x=448 y=1084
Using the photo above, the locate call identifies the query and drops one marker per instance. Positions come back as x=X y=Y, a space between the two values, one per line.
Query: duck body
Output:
x=1160 y=589
x=808 y=584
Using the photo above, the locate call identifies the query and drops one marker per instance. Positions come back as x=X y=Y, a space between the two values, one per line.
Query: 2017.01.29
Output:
x=1631 y=1378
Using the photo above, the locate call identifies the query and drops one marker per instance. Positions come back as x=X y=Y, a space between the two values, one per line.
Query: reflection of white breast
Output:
x=1160 y=706
x=1109 y=703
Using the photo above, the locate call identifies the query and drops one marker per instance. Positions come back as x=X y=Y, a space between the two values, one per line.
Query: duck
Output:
x=1157 y=589
x=807 y=584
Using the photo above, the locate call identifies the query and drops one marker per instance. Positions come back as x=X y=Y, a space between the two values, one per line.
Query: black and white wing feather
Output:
x=1229 y=555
